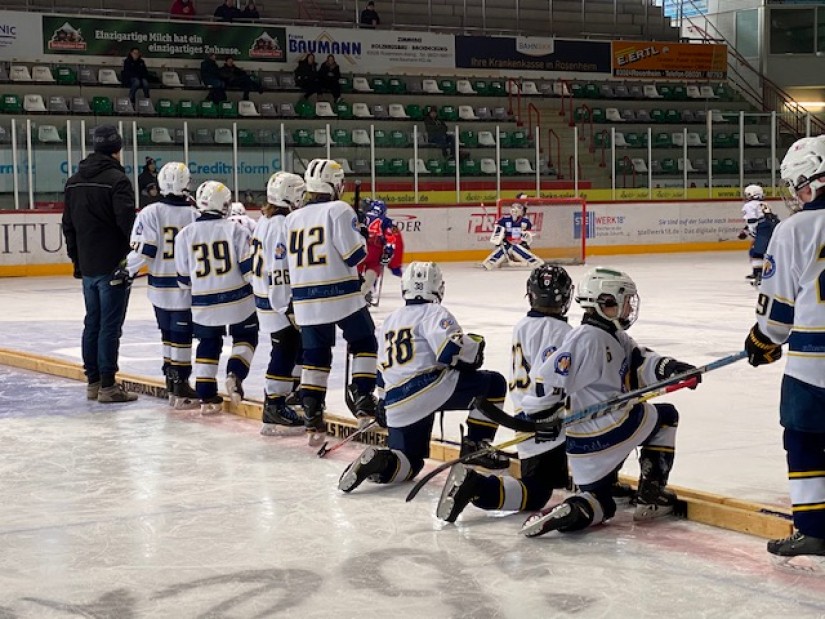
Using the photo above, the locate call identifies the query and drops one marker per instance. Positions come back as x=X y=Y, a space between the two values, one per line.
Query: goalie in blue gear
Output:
x=512 y=237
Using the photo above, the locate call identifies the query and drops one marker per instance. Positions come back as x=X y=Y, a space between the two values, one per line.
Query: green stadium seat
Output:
x=379 y=85
x=399 y=139
x=414 y=111
x=102 y=106
x=166 y=108
x=507 y=167
x=481 y=87
x=382 y=167
x=228 y=109
x=496 y=89
x=669 y=166
x=397 y=86
x=342 y=137
x=187 y=108
x=303 y=137
x=729 y=166
x=381 y=138
x=447 y=86
x=65 y=76
x=12 y=104
x=602 y=139
x=346 y=83
x=724 y=140
x=577 y=90
x=449 y=168
x=520 y=139
x=581 y=114
x=624 y=166
x=505 y=139
x=305 y=109
x=665 y=90
x=144 y=137
x=246 y=138
x=469 y=167
x=592 y=91
x=679 y=93
x=673 y=117
x=448 y=113
x=436 y=167
x=662 y=140
x=343 y=110
x=657 y=116
x=398 y=167
x=468 y=139
x=598 y=115
x=207 y=109
x=634 y=140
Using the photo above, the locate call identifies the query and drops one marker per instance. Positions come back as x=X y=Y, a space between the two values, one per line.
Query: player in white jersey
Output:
x=270 y=283
x=153 y=243
x=791 y=309
x=237 y=213
x=596 y=362
x=512 y=238
x=543 y=465
x=427 y=364
x=760 y=222
x=214 y=259
x=325 y=243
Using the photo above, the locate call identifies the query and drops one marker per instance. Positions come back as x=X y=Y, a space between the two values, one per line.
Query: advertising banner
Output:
x=20 y=34
x=657 y=60
x=88 y=36
x=531 y=54
x=373 y=51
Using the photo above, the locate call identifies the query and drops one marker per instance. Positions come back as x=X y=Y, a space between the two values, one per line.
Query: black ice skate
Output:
x=183 y=397
x=462 y=486
x=492 y=460
x=566 y=516
x=653 y=500
x=799 y=553
x=362 y=405
x=212 y=406
x=280 y=419
x=314 y=424
x=372 y=462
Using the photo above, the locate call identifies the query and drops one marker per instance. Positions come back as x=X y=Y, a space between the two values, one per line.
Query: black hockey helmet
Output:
x=550 y=289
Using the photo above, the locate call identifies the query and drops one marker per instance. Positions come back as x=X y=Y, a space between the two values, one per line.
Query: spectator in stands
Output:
x=182 y=8
x=228 y=11
x=135 y=74
x=211 y=77
x=235 y=77
x=148 y=176
x=369 y=16
x=437 y=132
x=306 y=75
x=250 y=11
x=329 y=78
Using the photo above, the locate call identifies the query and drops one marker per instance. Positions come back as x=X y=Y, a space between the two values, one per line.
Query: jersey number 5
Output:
x=303 y=245
x=400 y=348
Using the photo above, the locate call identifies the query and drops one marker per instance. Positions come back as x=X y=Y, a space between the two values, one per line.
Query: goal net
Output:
x=560 y=227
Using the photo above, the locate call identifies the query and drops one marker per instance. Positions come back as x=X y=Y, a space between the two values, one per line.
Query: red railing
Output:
x=551 y=134
x=566 y=93
x=605 y=143
x=512 y=85
x=588 y=121
x=530 y=110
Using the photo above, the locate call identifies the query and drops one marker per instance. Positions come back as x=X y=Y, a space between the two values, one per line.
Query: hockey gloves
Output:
x=387 y=254
x=669 y=367
x=551 y=423
x=743 y=234
x=121 y=277
x=381 y=414
x=761 y=349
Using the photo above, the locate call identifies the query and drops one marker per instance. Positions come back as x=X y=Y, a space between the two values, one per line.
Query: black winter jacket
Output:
x=99 y=214
x=134 y=68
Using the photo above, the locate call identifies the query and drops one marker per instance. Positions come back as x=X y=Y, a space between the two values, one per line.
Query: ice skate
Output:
x=623 y=494
x=493 y=460
x=799 y=553
x=653 y=501
x=114 y=394
x=364 y=405
x=280 y=420
x=372 y=461
x=566 y=516
x=170 y=386
x=314 y=424
x=212 y=406
x=234 y=388
x=460 y=489
x=183 y=397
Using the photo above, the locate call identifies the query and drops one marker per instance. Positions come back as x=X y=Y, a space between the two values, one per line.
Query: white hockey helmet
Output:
x=286 y=190
x=422 y=281
x=237 y=209
x=325 y=176
x=213 y=197
x=609 y=288
x=802 y=167
x=173 y=179
x=518 y=209
x=754 y=192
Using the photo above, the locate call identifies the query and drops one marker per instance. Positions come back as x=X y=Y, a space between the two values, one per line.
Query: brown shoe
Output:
x=92 y=389
x=115 y=393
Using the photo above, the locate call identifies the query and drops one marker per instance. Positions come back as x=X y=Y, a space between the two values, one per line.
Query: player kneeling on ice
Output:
x=595 y=363
x=759 y=224
x=512 y=238
x=426 y=364
x=543 y=465
x=153 y=243
x=213 y=258
x=273 y=298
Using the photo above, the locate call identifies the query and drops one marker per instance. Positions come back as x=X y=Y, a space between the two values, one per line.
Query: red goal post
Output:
x=560 y=227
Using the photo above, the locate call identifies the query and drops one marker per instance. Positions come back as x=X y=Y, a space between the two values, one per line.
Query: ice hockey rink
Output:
x=135 y=510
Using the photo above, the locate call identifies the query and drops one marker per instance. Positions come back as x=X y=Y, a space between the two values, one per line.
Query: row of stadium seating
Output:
x=679 y=139
x=674 y=166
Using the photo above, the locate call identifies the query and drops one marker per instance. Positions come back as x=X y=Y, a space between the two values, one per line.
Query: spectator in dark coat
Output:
x=437 y=132
x=228 y=11
x=97 y=224
x=147 y=182
x=182 y=8
x=329 y=76
x=235 y=77
x=250 y=11
x=306 y=75
x=369 y=17
x=211 y=77
x=135 y=74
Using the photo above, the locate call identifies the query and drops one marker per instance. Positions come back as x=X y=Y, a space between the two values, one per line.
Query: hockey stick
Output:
x=502 y=418
x=326 y=450
x=527 y=436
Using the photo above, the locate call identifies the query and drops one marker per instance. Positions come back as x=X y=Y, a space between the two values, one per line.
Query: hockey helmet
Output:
x=325 y=176
x=754 y=192
x=237 y=209
x=213 y=197
x=803 y=167
x=173 y=179
x=378 y=208
x=550 y=289
x=603 y=288
x=422 y=281
x=286 y=190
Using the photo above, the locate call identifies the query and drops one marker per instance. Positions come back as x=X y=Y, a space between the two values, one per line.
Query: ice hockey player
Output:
x=426 y=364
x=543 y=465
x=791 y=309
x=273 y=296
x=385 y=247
x=325 y=244
x=512 y=238
x=237 y=213
x=153 y=243
x=593 y=364
x=760 y=222
x=213 y=259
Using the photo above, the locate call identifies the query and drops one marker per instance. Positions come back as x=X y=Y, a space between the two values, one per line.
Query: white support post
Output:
x=537 y=139
x=15 y=171
x=710 y=153
x=372 y=161
x=773 y=152
x=415 y=162
x=68 y=149
x=576 y=161
x=457 y=160
x=30 y=157
x=283 y=147
x=808 y=125
x=650 y=163
x=498 y=164
x=82 y=139
x=235 y=159
x=135 y=183
x=329 y=143
x=685 y=160
x=613 y=162
x=186 y=143
x=741 y=152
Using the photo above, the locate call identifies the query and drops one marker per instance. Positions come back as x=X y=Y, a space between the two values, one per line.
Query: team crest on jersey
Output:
x=563 y=363
x=280 y=251
x=139 y=229
x=545 y=354
x=769 y=268
x=355 y=223
x=447 y=323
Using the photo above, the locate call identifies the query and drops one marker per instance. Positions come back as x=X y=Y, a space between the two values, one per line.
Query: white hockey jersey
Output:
x=270 y=274
x=417 y=345
x=535 y=338
x=752 y=213
x=324 y=247
x=246 y=221
x=592 y=366
x=791 y=305
x=214 y=258
x=153 y=243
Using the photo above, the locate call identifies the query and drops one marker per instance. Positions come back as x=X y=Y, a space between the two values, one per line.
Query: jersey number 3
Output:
x=400 y=348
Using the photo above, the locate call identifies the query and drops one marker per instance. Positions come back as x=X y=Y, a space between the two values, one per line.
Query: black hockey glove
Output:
x=362 y=224
x=121 y=277
x=479 y=360
x=669 y=367
x=761 y=349
x=381 y=414
x=551 y=427
x=76 y=271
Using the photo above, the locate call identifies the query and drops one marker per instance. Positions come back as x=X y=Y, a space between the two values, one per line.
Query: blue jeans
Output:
x=103 y=325
x=135 y=84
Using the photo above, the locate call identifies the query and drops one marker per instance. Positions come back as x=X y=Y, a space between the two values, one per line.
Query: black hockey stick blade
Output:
x=327 y=450
x=502 y=418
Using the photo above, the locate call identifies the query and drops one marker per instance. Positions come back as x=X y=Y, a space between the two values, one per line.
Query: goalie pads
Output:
x=527 y=238
x=497 y=238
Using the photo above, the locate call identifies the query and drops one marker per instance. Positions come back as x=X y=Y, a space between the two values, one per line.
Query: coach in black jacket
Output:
x=97 y=224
